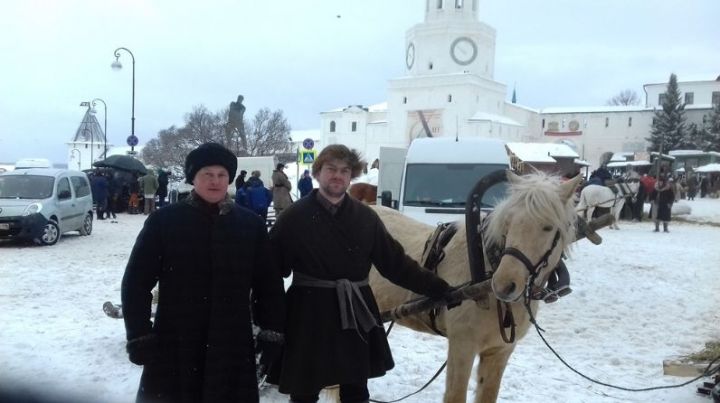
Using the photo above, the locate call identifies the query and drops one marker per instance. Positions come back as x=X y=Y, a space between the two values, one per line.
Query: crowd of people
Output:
x=660 y=191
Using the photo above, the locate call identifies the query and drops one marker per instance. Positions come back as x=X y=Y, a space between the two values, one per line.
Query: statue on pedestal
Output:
x=236 y=123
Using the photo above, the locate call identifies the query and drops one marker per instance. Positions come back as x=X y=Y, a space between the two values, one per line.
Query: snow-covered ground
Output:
x=638 y=298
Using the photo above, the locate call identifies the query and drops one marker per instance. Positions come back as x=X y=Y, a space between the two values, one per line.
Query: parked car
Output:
x=41 y=204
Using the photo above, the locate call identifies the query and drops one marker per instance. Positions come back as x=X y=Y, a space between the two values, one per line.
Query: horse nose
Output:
x=505 y=293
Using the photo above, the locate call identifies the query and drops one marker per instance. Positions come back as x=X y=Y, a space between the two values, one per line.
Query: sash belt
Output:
x=353 y=310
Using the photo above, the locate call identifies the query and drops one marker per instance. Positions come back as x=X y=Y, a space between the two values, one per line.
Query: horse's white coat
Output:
x=537 y=207
x=593 y=196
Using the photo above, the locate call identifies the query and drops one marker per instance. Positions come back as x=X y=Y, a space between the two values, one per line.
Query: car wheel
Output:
x=50 y=235
x=86 y=228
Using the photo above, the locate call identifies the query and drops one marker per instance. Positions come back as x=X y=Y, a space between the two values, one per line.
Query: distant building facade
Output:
x=449 y=90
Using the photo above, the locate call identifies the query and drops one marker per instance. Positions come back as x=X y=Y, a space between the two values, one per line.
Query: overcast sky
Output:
x=308 y=56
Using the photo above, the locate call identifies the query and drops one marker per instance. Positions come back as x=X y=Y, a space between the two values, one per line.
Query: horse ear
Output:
x=513 y=177
x=567 y=189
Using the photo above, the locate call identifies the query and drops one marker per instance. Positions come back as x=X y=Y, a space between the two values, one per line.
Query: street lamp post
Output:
x=132 y=140
x=105 y=129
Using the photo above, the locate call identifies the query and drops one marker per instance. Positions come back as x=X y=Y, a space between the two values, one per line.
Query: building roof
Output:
x=594 y=109
x=541 y=152
x=89 y=130
x=490 y=117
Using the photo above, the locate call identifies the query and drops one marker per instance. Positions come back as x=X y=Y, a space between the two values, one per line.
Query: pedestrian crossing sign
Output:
x=307 y=157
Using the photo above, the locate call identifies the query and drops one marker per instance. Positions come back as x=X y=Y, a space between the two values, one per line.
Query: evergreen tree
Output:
x=668 y=128
x=713 y=128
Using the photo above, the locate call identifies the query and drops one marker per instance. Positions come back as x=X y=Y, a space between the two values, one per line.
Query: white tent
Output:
x=715 y=167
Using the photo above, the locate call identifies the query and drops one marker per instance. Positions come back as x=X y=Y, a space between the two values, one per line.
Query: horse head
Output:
x=536 y=224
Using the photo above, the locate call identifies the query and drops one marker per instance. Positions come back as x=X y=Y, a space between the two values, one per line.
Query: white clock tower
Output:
x=451 y=40
x=448 y=89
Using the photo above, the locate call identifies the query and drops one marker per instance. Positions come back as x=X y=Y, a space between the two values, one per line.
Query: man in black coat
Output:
x=329 y=241
x=206 y=254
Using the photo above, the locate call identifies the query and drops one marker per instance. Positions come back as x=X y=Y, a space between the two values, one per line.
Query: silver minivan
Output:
x=41 y=204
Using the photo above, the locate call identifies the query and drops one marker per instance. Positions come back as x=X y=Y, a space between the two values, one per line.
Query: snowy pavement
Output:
x=638 y=298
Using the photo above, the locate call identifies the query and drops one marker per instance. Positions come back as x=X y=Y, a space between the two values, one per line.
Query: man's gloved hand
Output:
x=144 y=350
x=449 y=301
x=269 y=344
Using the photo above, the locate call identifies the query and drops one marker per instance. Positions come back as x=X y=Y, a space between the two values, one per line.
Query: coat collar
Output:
x=223 y=208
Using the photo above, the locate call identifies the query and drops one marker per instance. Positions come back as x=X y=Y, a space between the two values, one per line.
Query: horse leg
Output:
x=461 y=354
x=589 y=213
x=490 y=372
x=616 y=210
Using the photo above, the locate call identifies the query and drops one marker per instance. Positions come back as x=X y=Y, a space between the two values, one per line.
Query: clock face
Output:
x=410 y=55
x=463 y=50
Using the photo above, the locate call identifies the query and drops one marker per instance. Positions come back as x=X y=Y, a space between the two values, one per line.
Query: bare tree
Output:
x=268 y=133
x=625 y=97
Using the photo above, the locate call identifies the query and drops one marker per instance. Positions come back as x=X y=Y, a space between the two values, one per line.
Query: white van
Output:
x=439 y=173
x=41 y=204
x=27 y=163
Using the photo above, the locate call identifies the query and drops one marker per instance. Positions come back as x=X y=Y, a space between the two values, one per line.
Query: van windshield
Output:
x=448 y=185
x=26 y=186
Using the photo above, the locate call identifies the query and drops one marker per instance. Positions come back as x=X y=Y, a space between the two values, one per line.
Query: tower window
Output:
x=607 y=122
x=404 y=100
x=630 y=121
x=430 y=66
x=661 y=99
x=450 y=98
x=459 y=3
x=689 y=98
x=353 y=127
x=543 y=123
x=332 y=126
x=439 y=4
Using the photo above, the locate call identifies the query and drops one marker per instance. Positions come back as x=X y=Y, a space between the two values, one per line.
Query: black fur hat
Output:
x=210 y=154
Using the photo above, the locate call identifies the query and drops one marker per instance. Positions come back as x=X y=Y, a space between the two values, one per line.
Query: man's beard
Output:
x=328 y=191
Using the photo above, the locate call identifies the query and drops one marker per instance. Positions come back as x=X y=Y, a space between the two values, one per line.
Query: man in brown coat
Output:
x=281 y=190
x=329 y=241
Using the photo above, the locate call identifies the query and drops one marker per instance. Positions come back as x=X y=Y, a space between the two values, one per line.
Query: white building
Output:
x=87 y=145
x=449 y=90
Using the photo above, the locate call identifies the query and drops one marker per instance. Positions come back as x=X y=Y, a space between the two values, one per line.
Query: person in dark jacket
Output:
x=113 y=196
x=162 y=189
x=328 y=241
x=662 y=199
x=99 y=188
x=305 y=185
x=257 y=197
x=240 y=181
x=206 y=254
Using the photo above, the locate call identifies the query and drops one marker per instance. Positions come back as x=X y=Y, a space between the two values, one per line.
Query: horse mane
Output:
x=538 y=194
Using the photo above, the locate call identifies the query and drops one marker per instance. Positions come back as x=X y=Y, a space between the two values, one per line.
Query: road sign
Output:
x=307 y=157
x=132 y=140
x=308 y=144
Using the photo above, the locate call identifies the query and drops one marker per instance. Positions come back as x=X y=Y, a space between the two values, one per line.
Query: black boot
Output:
x=657 y=226
x=665 y=227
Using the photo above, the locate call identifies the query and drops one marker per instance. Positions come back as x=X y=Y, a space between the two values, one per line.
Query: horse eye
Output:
x=547 y=228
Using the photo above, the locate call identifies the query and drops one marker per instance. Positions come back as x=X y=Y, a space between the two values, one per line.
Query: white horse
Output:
x=593 y=196
x=537 y=219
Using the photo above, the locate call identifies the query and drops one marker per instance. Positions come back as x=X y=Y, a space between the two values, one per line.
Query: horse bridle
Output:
x=533 y=269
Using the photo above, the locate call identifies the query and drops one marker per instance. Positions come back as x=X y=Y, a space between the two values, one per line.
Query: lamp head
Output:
x=116 y=65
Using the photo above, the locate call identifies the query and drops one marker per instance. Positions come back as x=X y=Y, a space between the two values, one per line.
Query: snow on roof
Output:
x=714 y=167
x=622 y=156
x=527 y=108
x=490 y=117
x=678 y=153
x=541 y=152
x=623 y=164
x=379 y=107
x=594 y=109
